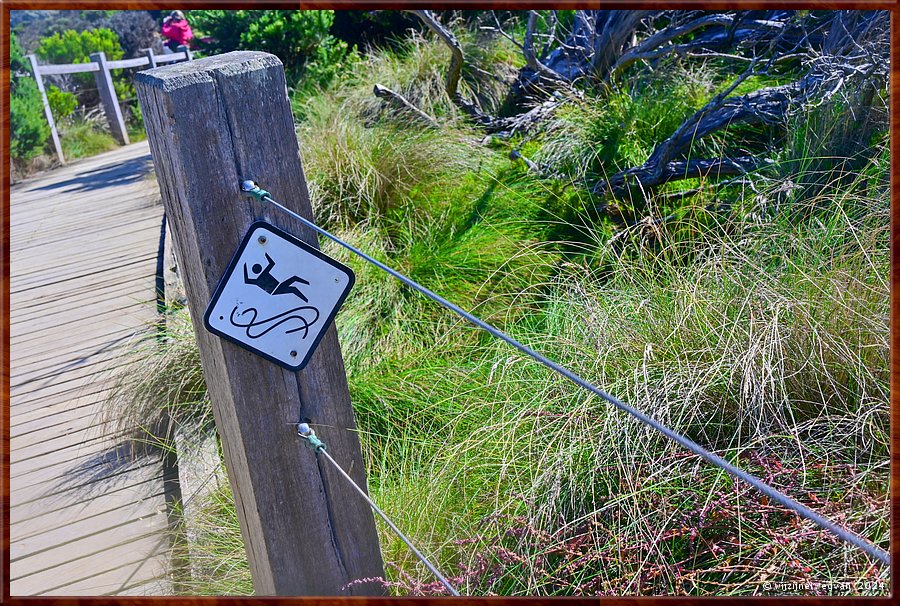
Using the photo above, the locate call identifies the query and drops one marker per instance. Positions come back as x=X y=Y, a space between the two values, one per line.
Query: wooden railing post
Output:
x=109 y=100
x=211 y=124
x=36 y=70
x=151 y=57
x=184 y=48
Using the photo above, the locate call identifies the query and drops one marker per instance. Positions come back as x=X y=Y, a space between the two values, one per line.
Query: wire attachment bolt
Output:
x=250 y=188
x=306 y=432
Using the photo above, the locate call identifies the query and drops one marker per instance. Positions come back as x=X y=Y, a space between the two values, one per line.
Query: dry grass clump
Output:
x=163 y=388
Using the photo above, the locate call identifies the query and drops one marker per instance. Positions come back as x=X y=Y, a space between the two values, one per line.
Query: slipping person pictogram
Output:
x=266 y=281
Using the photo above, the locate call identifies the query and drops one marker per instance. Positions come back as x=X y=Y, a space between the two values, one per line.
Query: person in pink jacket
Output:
x=176 y=29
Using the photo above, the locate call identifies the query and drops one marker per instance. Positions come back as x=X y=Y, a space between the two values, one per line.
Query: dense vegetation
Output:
x=301 y=39
x=748 y=312
x=27 y=125
x=71 y=37
x=314 y=46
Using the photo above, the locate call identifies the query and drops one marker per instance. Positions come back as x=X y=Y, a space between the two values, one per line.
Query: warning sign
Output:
x=277 y=296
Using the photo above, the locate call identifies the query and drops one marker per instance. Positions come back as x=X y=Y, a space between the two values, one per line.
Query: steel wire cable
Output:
x=307 y=433
x=876 y=552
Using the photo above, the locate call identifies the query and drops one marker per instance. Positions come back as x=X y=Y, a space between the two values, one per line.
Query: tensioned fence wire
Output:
x=250 y=188
x=306 y=432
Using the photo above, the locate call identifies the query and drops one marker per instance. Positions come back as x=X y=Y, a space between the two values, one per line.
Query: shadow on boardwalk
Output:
x=103 y=177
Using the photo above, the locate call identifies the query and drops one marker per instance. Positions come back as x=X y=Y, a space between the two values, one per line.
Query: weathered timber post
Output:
x=36 y=70
x=109 y=100
x=151 y=57
x=184 y=48
x=212 y=123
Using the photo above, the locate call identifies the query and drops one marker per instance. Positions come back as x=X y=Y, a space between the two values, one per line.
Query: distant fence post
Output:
x=36 y=70
x=109 y=100
x=212 y=123
x=151 y=57
x=183 y=48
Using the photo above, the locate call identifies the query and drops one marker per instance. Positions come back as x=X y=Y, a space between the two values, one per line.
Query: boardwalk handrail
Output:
x=52 y=69
x=68 y=68
x=101 y=69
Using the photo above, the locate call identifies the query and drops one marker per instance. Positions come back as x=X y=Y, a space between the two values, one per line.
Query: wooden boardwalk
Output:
x=86 y=518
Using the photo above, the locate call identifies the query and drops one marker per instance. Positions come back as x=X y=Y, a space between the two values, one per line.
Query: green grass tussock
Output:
x=361 y=174
x=163 y=389
x=81 y=139
x=215 y=552
x=729 y=352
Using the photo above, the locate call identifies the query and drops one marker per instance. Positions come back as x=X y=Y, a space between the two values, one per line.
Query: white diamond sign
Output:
x=277 y=296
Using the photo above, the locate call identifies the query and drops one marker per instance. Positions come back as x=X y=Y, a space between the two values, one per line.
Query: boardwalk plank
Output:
x=42 y=524
x=83 y=252
x=51 y=509
x=90 y=574
x=59 y=283
x=107 y=582
x=95 y=541
x=118 y=300
x=38 y=543
x=135 y=293
x=84 y=236
x=47 y=476
x=38 y=398
x=98 y=346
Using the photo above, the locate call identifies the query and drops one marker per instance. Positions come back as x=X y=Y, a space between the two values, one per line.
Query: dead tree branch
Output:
x=456 y=54
x=528 y=51
x=646 y=176
x=402 y=104
x=492 y=124
x=855 y=49
x=486 y=121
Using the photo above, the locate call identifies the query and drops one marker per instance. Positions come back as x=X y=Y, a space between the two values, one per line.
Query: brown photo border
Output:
x=8 y=5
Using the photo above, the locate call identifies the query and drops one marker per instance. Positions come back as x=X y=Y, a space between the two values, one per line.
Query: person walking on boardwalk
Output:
x=176 y=28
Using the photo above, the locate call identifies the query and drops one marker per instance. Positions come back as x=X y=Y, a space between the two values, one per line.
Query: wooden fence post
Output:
x=151 y=57
x=184 y=48
x=212 y=123
x=109 y=100
x=36 y=70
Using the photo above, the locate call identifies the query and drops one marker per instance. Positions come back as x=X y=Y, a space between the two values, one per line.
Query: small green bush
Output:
x=71 y=46
x=301 y=39
x=62 y=104
x=27 y=124
x=76 y=47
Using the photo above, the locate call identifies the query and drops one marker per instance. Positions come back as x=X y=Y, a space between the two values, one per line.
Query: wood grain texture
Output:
x=212 y=123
